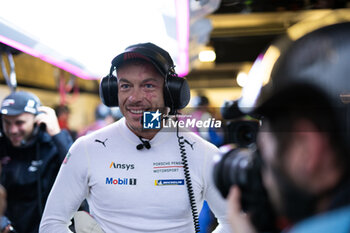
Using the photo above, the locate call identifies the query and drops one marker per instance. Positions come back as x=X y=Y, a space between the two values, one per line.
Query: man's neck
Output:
x=146 y=134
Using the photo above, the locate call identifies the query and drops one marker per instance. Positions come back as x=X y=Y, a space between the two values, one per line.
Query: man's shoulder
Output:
x=190 y=134
x=108 y=129
x=335 y=221
x=199 y=142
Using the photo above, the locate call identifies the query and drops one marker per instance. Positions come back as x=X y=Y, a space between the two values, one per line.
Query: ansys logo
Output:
x=121 y=166
x=151 y=120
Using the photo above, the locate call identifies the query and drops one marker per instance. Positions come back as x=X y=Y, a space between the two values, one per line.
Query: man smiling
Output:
x=32 y=148
x=140 y=89
x=147 y=198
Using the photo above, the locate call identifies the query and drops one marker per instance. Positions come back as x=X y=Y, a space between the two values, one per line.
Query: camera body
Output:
x=241 y=167
x=242 y=132
x=239 y=163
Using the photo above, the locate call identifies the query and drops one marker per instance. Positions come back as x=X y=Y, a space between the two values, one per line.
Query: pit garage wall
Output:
x=82 y=108
x=33 y=72
x=217 y=96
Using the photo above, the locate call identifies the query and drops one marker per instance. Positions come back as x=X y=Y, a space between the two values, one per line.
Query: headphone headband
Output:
x=149 y=52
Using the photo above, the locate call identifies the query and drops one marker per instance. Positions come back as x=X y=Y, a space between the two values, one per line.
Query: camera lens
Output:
x=232 y=169
x=246 y=134
x=242 y=132
x=241 y=167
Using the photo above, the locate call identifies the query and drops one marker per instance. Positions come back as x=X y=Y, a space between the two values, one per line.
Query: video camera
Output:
x=239 y=163
x=240 y=129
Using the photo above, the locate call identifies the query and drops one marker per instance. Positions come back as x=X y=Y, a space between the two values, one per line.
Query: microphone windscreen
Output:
x=139 y=146
x=147 y=144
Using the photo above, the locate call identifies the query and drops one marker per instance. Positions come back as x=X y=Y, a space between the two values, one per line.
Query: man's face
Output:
x=140 y=88
x=284 y=174
x=267 y=143
x=18 y=128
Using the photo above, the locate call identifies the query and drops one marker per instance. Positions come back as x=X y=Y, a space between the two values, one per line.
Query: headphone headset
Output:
x=176 y=89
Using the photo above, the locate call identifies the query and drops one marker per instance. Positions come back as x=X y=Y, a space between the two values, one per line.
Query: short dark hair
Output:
x=59 y=109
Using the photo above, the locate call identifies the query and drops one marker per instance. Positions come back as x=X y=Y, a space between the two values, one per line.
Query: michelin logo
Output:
x=120 y=181
x=169 y=182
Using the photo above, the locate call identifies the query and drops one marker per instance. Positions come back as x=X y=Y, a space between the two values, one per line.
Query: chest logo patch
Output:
x=102 y=142
x=65 y=161
x=121 y=181
x=165 y=167
x=169 y=182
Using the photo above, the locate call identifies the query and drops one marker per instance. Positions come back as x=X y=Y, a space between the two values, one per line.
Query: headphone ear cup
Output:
x=109 y=91
x=176 y=93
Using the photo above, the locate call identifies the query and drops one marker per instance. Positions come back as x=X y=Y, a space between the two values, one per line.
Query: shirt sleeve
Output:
x=216 y=202
x=68 y=191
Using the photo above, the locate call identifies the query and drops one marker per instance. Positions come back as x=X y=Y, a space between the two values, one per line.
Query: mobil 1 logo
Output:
x=121 y=181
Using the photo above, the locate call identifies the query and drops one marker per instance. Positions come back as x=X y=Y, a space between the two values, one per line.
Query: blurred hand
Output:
x=239 y=221
x=3 y=202
x=49 y=118
x=7 y=229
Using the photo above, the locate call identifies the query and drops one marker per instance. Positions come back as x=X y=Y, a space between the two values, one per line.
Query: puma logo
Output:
x=191 y=144
x=102 y=142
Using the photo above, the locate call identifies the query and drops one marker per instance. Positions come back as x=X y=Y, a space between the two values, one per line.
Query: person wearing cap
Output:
x=32 y=148
x=203 y=112
x=137 y=175
x=103 y=117
x=303 y=142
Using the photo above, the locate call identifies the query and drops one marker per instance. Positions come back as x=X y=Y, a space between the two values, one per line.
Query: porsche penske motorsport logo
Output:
x=167 y=166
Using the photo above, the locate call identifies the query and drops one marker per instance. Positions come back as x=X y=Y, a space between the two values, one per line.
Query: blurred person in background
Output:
x=32 y=148
x=303 y=143
x=103 y=117
x=5 y=224
x=201 y=111
x=63 y=112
